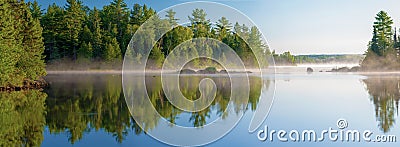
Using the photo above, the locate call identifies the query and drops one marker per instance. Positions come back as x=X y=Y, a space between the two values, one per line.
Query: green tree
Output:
x=31 y=63
x=237 y=28
x=199 y=24
x=116 y=15
x=171 y=17
x=112 y=51
x=35 y=10
x=22 y=118
x=139 y=15
x=156 y=57
x=73 y=18
x=223 y=28
x=136 y=17
x=383 y=28
x=384 y=93
x=95 y=28
x=381 y=53
x=396 y=42
x=374 y=46
x=383 y=24
x=85 y=51
x=21 y=44
x=54 y=32
x=10 y=47
x=258 y=50
x=175 y=37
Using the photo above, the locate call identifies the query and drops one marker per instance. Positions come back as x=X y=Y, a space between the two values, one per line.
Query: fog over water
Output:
x=315 y=67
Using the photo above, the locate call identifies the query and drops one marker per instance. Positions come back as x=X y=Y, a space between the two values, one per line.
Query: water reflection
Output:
x=385 y=94
x=78 y=104
x=82 y=103
x=22 y=118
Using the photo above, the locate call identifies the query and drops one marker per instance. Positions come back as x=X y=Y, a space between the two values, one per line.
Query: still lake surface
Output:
x=90 y=109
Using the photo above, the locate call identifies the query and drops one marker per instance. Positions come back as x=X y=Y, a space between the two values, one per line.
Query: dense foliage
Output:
x=286 y=58
x=383 y=49
x=21 y=44
x=74 y=33
x=78 y=33
x=22 y=118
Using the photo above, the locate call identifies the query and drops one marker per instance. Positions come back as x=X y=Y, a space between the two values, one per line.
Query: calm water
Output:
x=90 y=109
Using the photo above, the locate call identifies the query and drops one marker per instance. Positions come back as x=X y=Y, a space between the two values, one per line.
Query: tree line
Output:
x=32 y=37
x=77 y=32
x=287 y=59
x=384 y=47
x=21 y=44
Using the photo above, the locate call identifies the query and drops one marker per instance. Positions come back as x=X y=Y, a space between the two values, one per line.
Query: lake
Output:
x=90 y=109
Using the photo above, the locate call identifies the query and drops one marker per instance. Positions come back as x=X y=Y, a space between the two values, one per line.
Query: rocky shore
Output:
x=27 y=85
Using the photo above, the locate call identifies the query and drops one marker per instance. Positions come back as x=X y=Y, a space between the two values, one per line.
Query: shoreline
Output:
x=174 y=72
x=27 y=85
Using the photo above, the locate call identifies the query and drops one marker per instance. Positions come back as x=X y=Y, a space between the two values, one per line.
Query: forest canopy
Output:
x=21 y=44
x=74 y=35
x=383 y=49
x=77 y=33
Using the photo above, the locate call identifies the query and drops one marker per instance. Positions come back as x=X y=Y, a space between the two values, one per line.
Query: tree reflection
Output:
x=22 y=118
x=82 y=103
x=385 y=95
x=76 y=104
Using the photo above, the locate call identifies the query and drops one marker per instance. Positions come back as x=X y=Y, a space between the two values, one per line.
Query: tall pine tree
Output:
x=54 y=32
x=21 y=44
x=31 y=62
x=10 y=47
x=74 y=18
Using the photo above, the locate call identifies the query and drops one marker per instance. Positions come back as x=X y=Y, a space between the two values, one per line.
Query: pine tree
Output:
x=171 y=17
x=54 y=32
x=74 y=18
x=35 y=10
x=139 y=15
x=396 y=42
x=223 y=28
x=381 y=51
x=95 y=27
x=374 y=43
x=85 y=51
x=31 y=62
x=85 y=35
x=136 y=17
x=10 y=47
x=148 y=12
x=237 y=28
x=199 y=24
x=20 y=43
x=192 y=51
x=156 y=56
x=383 y=26
x=112 y=51
x=256 y=45
x=116 y=15
x=175 y=37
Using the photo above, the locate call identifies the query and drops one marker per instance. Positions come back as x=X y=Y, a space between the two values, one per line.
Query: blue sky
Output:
x=299 y=26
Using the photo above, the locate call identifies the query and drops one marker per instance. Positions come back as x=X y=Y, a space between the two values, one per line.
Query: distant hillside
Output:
x=327 y=59
x=287 y=58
